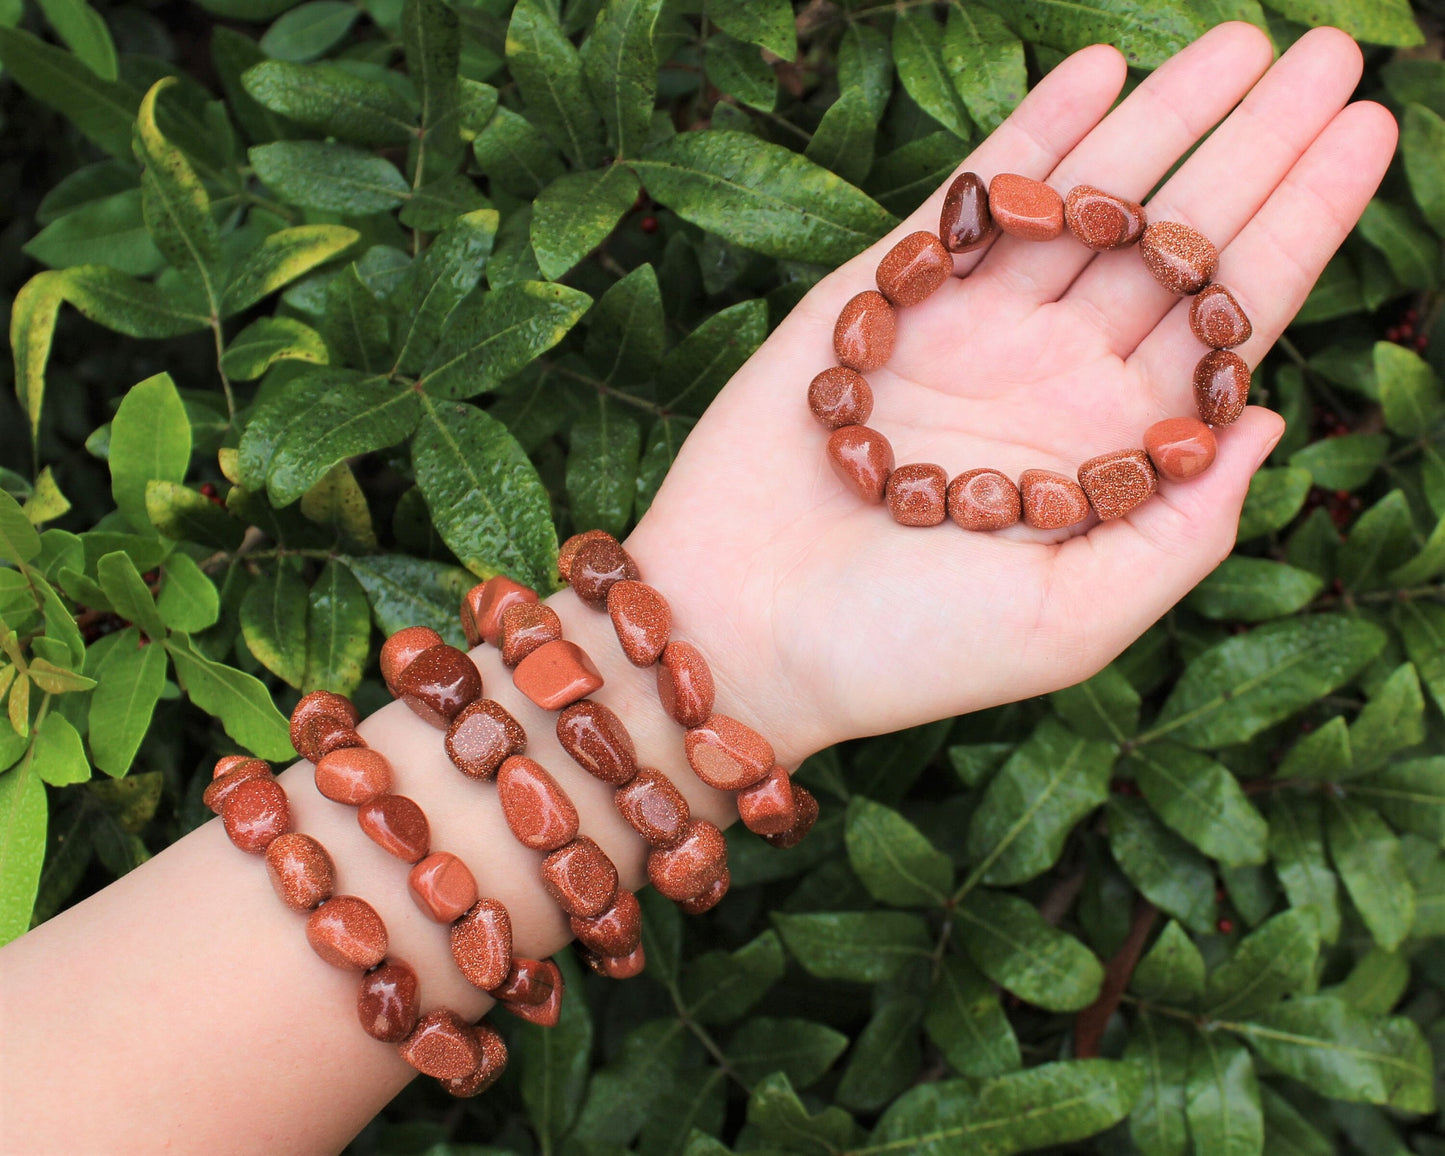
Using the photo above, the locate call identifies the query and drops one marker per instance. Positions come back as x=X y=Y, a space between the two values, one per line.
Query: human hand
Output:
x=828 y=620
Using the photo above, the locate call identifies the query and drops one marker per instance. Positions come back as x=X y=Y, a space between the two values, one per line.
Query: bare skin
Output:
x=181 y=1010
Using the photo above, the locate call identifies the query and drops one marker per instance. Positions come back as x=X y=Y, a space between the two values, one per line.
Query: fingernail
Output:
x=1269 y=448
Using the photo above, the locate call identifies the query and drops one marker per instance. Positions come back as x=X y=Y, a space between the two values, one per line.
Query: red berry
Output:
x=1411 y=316
x=1342 y=495
x=1394 y=333
x=1422 y=343
x=648 y=225
x=1225 y=926
x=208 y=490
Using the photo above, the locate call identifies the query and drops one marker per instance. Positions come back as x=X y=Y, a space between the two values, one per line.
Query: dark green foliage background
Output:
x=347 y=305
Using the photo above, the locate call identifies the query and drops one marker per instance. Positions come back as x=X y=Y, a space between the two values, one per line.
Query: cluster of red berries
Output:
x=1341 y=505
x=1405 y=333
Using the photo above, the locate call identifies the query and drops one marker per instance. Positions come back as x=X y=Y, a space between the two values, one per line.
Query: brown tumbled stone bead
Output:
x=354 y=775
x=840 y=396
x=709 y=897
x=529 y=982
x=598 y=741
x=403 y=646
x=538 y=811
x=348 y=933
x=443 y=1046
x=1101 y=220
x=546 y=1009
x=482 y=944
x=616 y=967
x=580 y=877
x=641 y=618
x=807 y=814
x=483 y=604
x=397 y=825
x=317 y=704
x=983 y=499
x=1051 y=500
x=301 y=871
x=482 y=737
x=526 y=626
x=691 y=867
x=654 y=808
x=487 y=1072
x=617 y=931
x=323 y=733
x=1117 y=482
x=1180 y=447
x=438 y=684
x=219 y=789
x=913 y=269
x=863 y=458
x=767 y=808
x=228 y=763
x=569 y=548
x=863 y=336
x=388 y=1002
x=727 y=754
x=556 y=675
x=1217 y=319
x=596 y=566
x=256 y=812
x=965 y=222
x=1221 y=386
x=1026 y=208
x=684 y=684
x=1182 y=259
x=917 y=494
x=443 y=887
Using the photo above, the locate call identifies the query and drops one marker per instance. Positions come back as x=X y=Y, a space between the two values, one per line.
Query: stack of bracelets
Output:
x=687 y=858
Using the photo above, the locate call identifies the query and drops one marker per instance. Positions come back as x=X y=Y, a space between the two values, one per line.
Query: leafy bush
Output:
x=380 y=296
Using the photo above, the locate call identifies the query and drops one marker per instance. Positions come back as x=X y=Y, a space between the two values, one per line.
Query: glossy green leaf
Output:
x=623 y=1093
x=1375 y=984
x=894 y=861
x=32 y=328
x=620 y=69
x=663 y=444
x=175 y=204
x=1160 y=1049
x=766 y=23
x=406 y=591
x=135 y=308
x=1274 y=960
x=19 y=541
x=333 y=177
x=721 y=987
x=1381 y=539
x=268 y=340
x=1376 y=22
x=1147 y=32
x=437 y=283
x=1012 y=945
x=699 y=365
x=240 y=701
x=966 y=1022
x=1342 y=463
x=1297 y=847
x=861 y=946
x=801 y=1049
x=1409 y=389
x=58 y=756
x=576 y=213
x=1167 y=871
x=129 y=595
x=1422 y=630
x=1422 y=143
x=780 y=1118
x=1367 y=855
x=431 y=37
x=886 y=1054
x=1410 y=793
x=331 y=100
x=150 y=439
x=180 y=512
x=1172 y=971
x=843 y=141
x=84 y=32
x=602 y=468
x=356 y=324
x=1200 y=799
x=309 y=30
x=1103 y=707
x=109 y=231
x=188 y=599
x=1411 y=253
x=1275 y=497
x=918 y=55
x=626 y=329
x=1221 y=1098
x=738 y=69
x=129 y=683
x=986 y=63
x=1393 y=720
x=1286 y=1131
x=104 y=111
x=1244 y=589
x=514 y=154
x=865 y=66
x=23 y=820
x=548 y=74
x=280 y=259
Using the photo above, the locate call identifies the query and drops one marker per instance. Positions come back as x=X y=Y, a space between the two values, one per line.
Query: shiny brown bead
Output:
x=863 y=458
x=913 y=269
x=443 y=1046
x=709 y=897
x=1025 y=208
x=840 y=396
x=1182 y=259
x=616 y=967
x=482 y=737
x=684 y=684
x=546 y=1011
x=654 y=808
x=1051 y=500
x=256 y=812
x=1180 y=447
x=557 y=674
x=580 y=877
x=690 y=868
x=529 y=981
x=538 y=811
x=354 y=775
x=641 y=618
x=617 y=931
x=596 y=566
x=227 y=763
x=316 y=704
x=397 y=825
x=438 y=684
x=1221 y=386
x=482 y=944
x=398 y=651
x=1101 y=220
x=570 y=547
x=1217 y=319
x=965 y=222
x=443 y=887
x=483 y=604
x=1117 y=482
x=727 y=754
x=526 y=626
x=983 y=499
x=807 y=814
x=598 y=741
x=863 y=336
x=219 y=789
x=766 y=808
x=389 y=1001
x=917 y=494
x=301 y=871
x=487 y=1072
x=348 y=933
x=323 y=733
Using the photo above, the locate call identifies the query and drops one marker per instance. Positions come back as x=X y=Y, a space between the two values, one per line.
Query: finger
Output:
x=1136 y=145
x=1271 y=266
x=1230 y=175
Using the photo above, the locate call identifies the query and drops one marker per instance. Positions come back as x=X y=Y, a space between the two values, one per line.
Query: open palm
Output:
x=825 y=619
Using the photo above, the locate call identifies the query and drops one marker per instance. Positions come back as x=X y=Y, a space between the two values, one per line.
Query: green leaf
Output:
x=1367 y=856
x=843 y=141
x=548 y=74
x=1427 y=564
x=887 y=1053
x=188 y=599
x=337 y=502
x=333 y=177
x=1244 y=589
x=438 y=282
x=1422 y=630
x=109 y=231
x=576 y=213
x=150 y=438
x=861 y=946
x=620 y=68
x=1274 y=960
x=52 y=679
x=1297 y=847
x=779 y=1117
x=514 y=155
x=433 y=206
x=1375 y=984
x=268 y=340
x=1410 y=794
x=1168 y=871
x=1422 y=143
x=554 y=1064
x=129 y=595
x=19 y=540
x=894 y=861
x=926 y=76
x=84 y=32
x=1381 y=538
x=1286 y=1131
x=174 y=203
x=738 y=69
x=967 y=1023
x=696 y=369
x=129 y=683
x=492 y=335
x=1160 y=1049
x=356 y=324
x=58 y=756
x=1345 y=462
x=626 y=329
x=1012 y=945
x=766 y=23
x=331 y=100
x=602 y=468
x=624 y=1092
x=1103 y=707
x=135 y=308
x=1393 y=720
x=1378 y=22
x=32 y=326
x=1242 y=685
x=1221 y=1098
x=1275 y=497
x=241 y=702
x=663 y=444
x=1409 y=390
x=23 y=813
x=104 y=111
x=180 y=512
x=1201 y=800
x=273 y=622
x=1147 y=32
x=406 y=591
x=801 y=1049
x=1173 y=970
x=900 y=180
x=280 y=259
x=1412 y=254
x=762 y=196
x=986 y=63
x=1028 y=810
x=721 y=987
x=309 y=30
x=431 y=36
